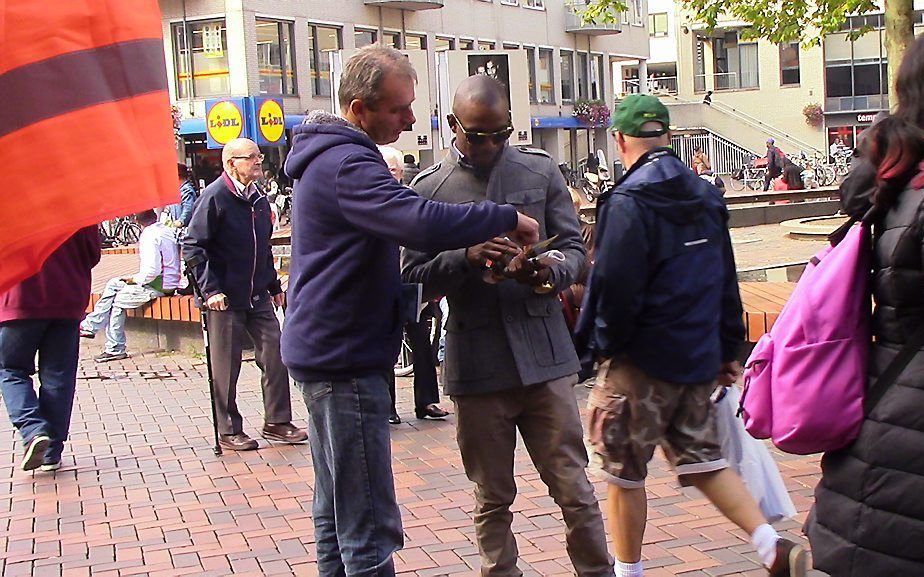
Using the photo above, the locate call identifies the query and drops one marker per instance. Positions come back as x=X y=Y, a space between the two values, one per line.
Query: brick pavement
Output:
x=142 y=494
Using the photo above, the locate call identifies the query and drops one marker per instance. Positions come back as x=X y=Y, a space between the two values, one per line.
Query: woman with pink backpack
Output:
x=868 y=517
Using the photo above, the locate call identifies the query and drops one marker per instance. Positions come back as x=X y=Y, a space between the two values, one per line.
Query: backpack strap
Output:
x=878 y=389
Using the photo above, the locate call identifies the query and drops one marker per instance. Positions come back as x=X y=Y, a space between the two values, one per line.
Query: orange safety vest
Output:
x=85 y=125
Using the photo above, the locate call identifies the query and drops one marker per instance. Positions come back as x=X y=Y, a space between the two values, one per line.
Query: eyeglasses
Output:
x=477 y=138
x=251 y=157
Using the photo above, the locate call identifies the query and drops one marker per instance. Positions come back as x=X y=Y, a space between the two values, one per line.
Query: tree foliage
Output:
x=787 y=20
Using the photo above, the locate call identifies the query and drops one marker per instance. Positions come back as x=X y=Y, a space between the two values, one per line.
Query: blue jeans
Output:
x=356 y=518
x=49 y=412
x=109 y=311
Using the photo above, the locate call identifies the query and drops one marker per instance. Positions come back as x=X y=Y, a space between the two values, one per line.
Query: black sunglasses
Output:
x=477 y=138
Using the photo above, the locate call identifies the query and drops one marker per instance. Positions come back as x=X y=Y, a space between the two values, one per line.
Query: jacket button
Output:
x=548 y=308
x=509 y=318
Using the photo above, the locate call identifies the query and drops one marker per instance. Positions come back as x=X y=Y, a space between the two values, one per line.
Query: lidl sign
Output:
x=260 y=119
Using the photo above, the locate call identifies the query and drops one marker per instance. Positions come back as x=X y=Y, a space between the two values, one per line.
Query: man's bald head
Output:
x=242 y=160
x=479 y=91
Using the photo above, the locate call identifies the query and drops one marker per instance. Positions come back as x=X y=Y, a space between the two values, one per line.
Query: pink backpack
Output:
x=804 y=382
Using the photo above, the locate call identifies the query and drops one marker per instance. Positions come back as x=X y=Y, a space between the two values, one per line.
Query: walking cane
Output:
x=191 y=264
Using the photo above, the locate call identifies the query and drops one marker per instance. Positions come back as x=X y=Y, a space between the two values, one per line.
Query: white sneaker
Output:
x=48 y=467
x=34 y=453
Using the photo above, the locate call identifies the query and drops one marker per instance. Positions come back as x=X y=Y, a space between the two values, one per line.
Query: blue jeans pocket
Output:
x=315 y=391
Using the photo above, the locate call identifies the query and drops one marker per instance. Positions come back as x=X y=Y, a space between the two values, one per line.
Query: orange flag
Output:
x=85 y=126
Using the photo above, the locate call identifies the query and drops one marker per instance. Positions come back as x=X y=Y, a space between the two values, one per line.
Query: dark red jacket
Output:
x=61 y=289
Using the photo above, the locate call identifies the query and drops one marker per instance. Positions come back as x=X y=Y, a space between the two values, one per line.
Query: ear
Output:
x=357 y=108
x=451 y=119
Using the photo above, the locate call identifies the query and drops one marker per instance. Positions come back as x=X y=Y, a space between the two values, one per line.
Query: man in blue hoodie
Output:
x=663 y=313
x=343 y=324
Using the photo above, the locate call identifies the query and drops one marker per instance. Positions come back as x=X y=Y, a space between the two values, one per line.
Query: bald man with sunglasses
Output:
x=510 y=364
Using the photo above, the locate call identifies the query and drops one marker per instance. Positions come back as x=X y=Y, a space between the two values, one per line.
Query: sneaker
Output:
x=790 y=561
x=35 y=452
x=48 y=467
x=106 y=357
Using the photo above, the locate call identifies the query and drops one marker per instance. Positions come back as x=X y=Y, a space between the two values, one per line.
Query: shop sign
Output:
x=224 y=121
x=271 y=122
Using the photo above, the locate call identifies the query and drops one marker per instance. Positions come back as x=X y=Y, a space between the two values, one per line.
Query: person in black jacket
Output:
x=230 y=234
x=774 y=164
x=663 y=313
x=868 y=517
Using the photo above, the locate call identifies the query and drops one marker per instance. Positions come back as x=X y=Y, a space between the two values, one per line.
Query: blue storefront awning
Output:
x=190 y=126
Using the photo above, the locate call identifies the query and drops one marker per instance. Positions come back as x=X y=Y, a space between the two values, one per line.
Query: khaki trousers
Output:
x=547 y=417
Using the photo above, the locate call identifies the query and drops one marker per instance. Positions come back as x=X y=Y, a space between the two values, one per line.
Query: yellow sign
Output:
x=271 y=122
x=224 y=122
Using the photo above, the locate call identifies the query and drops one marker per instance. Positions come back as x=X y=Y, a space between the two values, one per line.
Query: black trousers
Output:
x=426 y=386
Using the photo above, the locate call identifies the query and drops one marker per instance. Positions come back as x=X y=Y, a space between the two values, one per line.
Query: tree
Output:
x=789 y=20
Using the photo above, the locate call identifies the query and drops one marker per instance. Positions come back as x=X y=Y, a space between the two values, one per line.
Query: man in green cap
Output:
x=663 y=315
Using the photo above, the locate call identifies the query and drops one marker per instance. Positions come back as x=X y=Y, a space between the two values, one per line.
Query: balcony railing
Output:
x=574 y=24
x=656 y=85
x=406 y=4
x=725 y=81
x=851 y=103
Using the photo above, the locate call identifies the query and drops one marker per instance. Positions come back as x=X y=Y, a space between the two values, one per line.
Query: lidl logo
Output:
x=271 y=121
x=224 y=122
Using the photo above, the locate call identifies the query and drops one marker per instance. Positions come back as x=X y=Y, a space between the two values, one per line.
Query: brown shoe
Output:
x=284 y=433
x=790 y=560
x=237 y=442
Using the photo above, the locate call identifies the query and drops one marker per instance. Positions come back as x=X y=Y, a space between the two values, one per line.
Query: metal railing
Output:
x=724 y=81
x=656 y=85
x=763 y=126
x=724 y=155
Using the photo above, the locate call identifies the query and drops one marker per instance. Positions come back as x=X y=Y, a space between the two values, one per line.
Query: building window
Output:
x=856 y=71
x=596 y=76
x=567 y=75
x=536 y=4
x=442 y=44
x=635 y=12
x=466 y=44
x=582 y=83
x=546 y=77
x=415 y=42
x=657 y=25
x=392 y=39
x=789 y=64
x=364 y=37
x=275 y=56
x=510 y=2
x=323 y=40
x=510 y=46
x=736 y=65
x=204 y=72
x=486 y=45
x=531 y=67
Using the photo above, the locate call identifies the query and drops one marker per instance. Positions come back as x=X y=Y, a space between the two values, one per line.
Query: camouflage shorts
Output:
x=631 y=413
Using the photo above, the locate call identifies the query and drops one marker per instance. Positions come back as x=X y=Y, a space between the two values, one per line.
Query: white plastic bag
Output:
x=752 y=461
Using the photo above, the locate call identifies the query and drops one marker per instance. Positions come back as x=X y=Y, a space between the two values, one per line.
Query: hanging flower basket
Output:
x=592 y=112
x=177 y=117
x=814 y=115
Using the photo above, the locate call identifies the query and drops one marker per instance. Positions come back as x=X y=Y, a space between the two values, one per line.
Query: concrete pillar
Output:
x=643 y=76
x=237 y=47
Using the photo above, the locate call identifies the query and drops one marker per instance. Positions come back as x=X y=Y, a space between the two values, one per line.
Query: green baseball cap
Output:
x=637 y=109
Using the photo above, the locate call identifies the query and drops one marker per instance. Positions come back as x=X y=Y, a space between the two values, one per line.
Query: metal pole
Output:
x=203 y=315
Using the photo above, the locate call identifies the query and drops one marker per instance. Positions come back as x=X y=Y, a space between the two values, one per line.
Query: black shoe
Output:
x=51 y=467
x=106 y=357
x=431 y=411
x=394 y=419
x=35 y=452
x=790 y=561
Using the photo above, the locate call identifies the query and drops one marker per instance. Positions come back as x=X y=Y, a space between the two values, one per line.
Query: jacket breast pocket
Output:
x=546 y=331
x=530 y=201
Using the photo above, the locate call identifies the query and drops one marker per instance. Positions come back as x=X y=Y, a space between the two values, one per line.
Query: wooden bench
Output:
x=762 y=302
x=170 y=308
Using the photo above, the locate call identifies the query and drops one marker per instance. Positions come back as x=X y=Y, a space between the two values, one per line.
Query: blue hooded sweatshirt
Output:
x=663 y=290
x=349 y=215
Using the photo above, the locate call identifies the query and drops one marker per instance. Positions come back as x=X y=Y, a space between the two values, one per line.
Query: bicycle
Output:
x=120 y=231
x=748 y=176
x=821 y=173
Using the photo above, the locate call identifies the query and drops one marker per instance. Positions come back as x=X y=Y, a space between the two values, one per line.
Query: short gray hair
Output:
x=364 y=73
